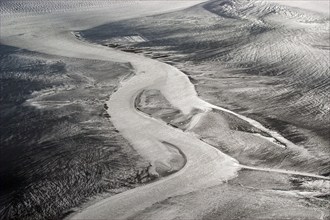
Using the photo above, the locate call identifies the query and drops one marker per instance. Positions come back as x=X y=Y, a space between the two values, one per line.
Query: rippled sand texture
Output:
x=266 y=61
x=58 y=147
x=261 y=60
x=230 y=55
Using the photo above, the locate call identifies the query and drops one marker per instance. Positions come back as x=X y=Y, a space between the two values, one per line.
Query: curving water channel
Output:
x=205 y=165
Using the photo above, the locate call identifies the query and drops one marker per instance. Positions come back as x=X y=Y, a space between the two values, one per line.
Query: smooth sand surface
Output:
x=53 y=36
x=205 y=167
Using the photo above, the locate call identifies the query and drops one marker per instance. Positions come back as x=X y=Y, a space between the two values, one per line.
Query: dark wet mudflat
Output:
x=259 y=61
x=58 y=147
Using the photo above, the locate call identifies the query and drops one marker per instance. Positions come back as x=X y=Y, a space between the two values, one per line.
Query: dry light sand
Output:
x=205 y=165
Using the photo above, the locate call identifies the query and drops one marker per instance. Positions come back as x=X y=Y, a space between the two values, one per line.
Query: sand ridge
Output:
x=205 y=166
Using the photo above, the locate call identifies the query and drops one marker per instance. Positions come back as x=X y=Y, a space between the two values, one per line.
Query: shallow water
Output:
x=245 y=59
x=58 y=148
x=265 y=61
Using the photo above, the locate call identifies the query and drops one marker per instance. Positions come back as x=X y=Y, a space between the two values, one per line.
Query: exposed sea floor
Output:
x=265 y=61
x=270 y=63
x=234 y=136
x=252 y=195
x=58 y=146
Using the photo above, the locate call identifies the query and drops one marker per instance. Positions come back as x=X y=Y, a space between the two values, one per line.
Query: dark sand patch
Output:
x=58 y=147
x=233 y=64
x=153 y=103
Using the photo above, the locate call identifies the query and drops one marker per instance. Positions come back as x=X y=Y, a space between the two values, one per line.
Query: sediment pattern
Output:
x=261 y=60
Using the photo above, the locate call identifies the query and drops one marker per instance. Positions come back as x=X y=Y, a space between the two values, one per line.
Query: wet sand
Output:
x=202 y=165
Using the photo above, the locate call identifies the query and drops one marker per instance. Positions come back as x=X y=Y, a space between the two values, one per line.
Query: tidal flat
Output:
x=58 y=146
x=153 y=110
